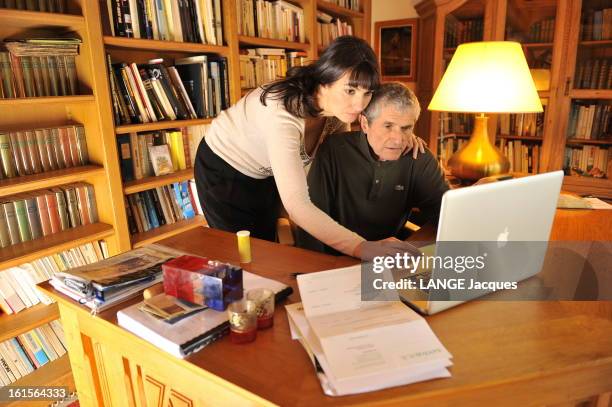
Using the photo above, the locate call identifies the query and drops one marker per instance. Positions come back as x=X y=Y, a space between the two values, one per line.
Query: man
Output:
x=366 y=182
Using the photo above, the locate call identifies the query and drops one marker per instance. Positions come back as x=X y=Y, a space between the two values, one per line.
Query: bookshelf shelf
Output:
x=597 y=43
x=26 y=320
x=538 y=45
x=24 y=252
x=157 y=45
x=587 y=141
x=56 y=373
x=162 y=232
x=268 y=42
x=161 y=125
x=591 y=94
x=526 y=138
x=48 y=179
x=335 y=9
x=32 y=19
x=144 y=184
x=65 y=100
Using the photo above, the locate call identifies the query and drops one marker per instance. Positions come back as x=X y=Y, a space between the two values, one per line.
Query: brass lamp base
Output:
x=478 y=158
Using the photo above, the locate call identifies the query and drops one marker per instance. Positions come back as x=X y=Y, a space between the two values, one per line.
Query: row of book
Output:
x=141 y=156
x=457 y=123
x=590 y=120
x=459 y=31
x=41 y=150
x=263 y=65
x=197 y=21
x=163 y=205
x=588 y=161
x=278 y=19
x=594 y=73
x=32 y=215
x=448 y=146
x=48 y=6
x=196 y=87
x=522 y=124
x=523 y=157
x=27 y=352
x=541 y=31
x=350 y=4
x=330 y=28
x=33 y=76
x=17 y=284
x=596 y=24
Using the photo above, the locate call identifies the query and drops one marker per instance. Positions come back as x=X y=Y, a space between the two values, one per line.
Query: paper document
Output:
x=364 y=346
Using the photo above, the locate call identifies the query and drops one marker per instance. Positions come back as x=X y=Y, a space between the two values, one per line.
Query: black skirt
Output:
x=232 y=201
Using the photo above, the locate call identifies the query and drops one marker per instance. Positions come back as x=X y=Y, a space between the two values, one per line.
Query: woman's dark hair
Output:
x=344 y=54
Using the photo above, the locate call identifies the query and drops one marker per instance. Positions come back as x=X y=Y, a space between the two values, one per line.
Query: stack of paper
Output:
x=360 y=346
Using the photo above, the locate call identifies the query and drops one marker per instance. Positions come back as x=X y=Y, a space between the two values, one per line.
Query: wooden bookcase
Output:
x=88 y=108
x=501 y=20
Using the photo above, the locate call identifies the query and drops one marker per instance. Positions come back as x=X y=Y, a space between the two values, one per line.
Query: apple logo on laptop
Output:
x=502 y=238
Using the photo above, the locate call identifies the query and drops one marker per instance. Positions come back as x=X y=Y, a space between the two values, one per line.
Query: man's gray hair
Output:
x=393 y=93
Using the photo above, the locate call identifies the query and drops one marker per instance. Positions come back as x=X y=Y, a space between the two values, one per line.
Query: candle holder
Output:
x=264 y=300
x=243 y=321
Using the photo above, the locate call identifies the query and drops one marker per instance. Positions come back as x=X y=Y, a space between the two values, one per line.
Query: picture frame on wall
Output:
x=395 y=45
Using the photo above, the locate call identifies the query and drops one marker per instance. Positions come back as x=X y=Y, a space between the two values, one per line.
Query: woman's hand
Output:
x=415 y=144
x=391 y=246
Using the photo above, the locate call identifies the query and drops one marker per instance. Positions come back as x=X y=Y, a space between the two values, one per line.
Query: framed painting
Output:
x=395 y=45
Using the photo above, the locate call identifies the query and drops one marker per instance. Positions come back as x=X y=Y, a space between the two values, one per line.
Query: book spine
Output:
x=62 y=208
x=64 y=144
x=41 y=148
x=91 y=203
x=81 y=145
x=43 y=212
x=33 y=218
x=32 y=150
x=72 y=204
x=11 y=221
x=72 y=145
x=6 y=156
x=21 y=213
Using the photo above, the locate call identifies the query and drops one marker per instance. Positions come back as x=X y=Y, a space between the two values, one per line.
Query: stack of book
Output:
x=523 y=157
x=596 y=24
x=197 y=87
x=330 y=28
x=99 y=286
x=189 y=333
x=358 y=346
x=184 y=21
x=140 y=156
x=588 y=161
x=261 y=65
x=590 y=120
x=27 y=352
x=593 y=73
x=39 y=150
x=48 y=6
x=459 y=31
x=36 y=214
x=278 y=19
x=39 y=67
x=350 y=4
x=522 y=124
x=163 y=205
x=17 y=284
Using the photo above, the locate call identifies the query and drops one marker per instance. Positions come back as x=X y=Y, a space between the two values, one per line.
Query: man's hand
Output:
x=387 y=247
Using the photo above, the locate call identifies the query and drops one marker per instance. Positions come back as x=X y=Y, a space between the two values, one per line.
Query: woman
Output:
x=254 y=154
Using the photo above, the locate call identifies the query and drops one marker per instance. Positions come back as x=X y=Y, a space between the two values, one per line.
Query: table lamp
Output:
x=485 y=77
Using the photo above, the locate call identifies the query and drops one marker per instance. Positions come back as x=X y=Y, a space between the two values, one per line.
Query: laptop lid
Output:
x=516 y=210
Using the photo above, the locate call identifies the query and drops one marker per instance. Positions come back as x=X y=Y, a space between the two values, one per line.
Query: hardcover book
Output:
x=160 y=160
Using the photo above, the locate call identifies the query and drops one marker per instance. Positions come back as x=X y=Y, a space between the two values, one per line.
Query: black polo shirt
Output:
x=370 y=197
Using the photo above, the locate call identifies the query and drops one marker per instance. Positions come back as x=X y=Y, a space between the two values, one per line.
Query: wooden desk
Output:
x=515 y=354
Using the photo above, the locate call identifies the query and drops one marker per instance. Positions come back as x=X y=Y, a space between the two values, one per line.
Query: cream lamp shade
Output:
x=487 y=77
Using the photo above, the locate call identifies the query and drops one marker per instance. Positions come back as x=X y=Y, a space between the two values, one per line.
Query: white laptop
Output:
x=516 y=210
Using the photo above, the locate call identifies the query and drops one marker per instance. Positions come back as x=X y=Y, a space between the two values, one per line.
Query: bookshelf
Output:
x=36 y=112
x=551 y=32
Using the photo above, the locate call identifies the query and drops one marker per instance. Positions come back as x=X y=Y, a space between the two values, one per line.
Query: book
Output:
x=194 y=332
x=161 y=160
